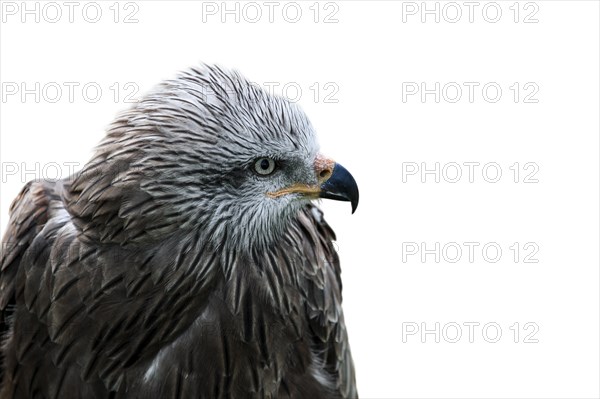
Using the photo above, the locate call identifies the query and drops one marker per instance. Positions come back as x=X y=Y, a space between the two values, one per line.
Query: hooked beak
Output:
x=340 y=186
x=334 y=182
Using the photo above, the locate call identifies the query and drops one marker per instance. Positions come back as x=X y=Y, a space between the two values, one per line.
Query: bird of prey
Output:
x=185 y=260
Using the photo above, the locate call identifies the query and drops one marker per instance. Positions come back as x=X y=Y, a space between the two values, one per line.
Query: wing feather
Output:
x=74 y=309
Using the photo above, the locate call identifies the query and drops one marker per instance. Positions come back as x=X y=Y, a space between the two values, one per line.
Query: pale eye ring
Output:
x=264 y=166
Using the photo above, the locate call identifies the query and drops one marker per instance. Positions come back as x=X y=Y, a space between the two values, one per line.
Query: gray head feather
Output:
x=190 y=145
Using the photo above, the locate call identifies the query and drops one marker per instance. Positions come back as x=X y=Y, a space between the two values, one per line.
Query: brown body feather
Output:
x=86 y=317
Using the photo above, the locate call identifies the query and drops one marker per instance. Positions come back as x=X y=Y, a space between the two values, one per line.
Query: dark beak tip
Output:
x=354 y=200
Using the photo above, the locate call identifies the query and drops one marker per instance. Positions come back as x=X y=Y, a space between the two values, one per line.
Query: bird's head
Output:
x=212 y=151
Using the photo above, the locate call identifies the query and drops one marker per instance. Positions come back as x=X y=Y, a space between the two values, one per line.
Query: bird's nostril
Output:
x=325 y=173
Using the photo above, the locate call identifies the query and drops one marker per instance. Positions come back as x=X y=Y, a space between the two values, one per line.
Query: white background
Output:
x=370 y=53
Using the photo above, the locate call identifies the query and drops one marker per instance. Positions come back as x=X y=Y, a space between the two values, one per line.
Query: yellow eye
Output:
x=264 y=166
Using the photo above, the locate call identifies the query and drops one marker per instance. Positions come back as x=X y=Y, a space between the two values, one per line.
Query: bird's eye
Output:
x=264 y=166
